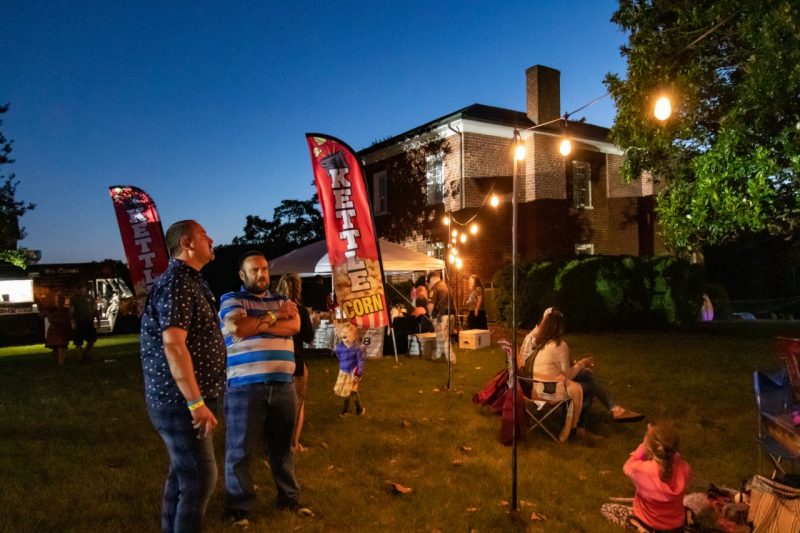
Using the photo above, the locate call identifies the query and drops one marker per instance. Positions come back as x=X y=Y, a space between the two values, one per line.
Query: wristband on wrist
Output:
x=195 y=404
x=272 y=316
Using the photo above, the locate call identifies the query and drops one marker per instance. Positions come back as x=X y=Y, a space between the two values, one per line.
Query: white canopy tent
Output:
x=313 y=259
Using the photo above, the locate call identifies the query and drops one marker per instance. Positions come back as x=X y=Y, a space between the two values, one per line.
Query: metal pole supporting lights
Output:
x=519 y=154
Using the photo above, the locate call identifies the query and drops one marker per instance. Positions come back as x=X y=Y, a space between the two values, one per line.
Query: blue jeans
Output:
x=192 y=472
x=592 y=388
x=253 y=411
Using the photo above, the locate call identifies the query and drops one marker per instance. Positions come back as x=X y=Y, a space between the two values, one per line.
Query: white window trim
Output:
x=428 y=160
x=376 y=179
x=590 y=205
x=584 y=249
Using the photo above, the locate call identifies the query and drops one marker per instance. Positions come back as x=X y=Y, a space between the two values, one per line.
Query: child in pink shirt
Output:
x=660 y=477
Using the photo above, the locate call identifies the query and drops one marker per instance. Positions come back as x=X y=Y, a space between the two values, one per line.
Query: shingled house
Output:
x=578 y=204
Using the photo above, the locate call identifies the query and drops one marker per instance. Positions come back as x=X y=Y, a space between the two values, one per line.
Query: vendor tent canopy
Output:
x=313 y=259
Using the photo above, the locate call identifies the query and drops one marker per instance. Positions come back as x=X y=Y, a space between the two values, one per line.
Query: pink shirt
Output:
x=658 y=504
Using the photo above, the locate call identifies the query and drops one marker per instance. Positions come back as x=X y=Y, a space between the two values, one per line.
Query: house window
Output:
x=435 y=249
x=584 y=249
x=581 y=184
x=434 y=179
x=379 y=202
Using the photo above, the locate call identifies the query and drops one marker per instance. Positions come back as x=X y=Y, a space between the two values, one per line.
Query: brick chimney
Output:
x=543 y=93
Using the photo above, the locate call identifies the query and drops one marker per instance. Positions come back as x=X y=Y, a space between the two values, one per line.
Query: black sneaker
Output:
x=236 y=517
x=298 y=509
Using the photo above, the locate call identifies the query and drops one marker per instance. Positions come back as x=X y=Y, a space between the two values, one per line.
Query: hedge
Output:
x=605 y=292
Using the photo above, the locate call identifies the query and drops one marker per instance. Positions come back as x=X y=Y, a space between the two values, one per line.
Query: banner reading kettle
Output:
x=349 y=232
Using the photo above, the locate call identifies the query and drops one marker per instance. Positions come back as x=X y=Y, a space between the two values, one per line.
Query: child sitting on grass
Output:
x=661 y=478
x=351 y=366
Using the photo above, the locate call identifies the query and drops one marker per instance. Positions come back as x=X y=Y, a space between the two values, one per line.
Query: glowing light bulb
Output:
x=663 y=108
x=565 y=147
x=446 y=220
x=455 y=233
x=463 y=238
x=519 y=151
x=454 y=251
x=459 y=263
x=473 y=229
x=494 y=201
x=451 y=257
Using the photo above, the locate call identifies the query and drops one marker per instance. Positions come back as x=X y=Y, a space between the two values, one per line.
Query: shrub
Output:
x=720 y=300
x=605 y=292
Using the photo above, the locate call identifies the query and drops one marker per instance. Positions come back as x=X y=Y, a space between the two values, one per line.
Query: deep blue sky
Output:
x=204 y=104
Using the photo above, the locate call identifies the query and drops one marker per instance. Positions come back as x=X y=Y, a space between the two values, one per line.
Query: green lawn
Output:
x=77 y=452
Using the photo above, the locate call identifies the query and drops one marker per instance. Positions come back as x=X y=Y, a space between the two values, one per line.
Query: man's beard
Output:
x=255 y=286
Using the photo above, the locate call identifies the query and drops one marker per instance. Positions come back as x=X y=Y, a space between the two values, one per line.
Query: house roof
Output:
x=494 y=115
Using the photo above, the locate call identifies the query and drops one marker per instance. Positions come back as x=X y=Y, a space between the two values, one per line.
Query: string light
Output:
x=473 y=229
x=565 y=147
x=663 y=108
x=494 y=201
x=455 y=233
x=463 y=238
x=446 y=220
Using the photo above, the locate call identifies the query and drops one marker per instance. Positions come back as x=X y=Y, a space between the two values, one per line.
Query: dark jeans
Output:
x=592 y=388
x=253 y=411
x=192 y=472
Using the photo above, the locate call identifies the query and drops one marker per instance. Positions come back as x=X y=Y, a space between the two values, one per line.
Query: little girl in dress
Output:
x=351 y=366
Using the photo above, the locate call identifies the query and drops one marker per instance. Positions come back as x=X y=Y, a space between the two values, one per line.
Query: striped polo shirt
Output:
x=260 y=358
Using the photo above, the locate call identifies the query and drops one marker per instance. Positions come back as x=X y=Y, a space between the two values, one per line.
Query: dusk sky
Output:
x=204 y=104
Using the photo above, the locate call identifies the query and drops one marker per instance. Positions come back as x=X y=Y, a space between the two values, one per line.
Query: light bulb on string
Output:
x=446 y=220
x=663 y=108
x=565 y=147
x=463 y=238
x=473 y=229
x=454 y=251
x=459 y=263
x=494 y=201
x=519 y=151
x=454 y=233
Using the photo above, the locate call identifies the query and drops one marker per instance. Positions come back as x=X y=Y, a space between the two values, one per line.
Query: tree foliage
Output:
x=409 y=213
x=294 y=223
x=728 y=160
x=10 y=208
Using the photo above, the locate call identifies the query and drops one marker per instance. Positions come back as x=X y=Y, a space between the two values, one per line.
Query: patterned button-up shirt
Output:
x=180 y=298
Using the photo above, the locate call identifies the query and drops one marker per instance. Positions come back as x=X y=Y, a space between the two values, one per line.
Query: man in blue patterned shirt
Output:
x=260 y=398
x=183 y=358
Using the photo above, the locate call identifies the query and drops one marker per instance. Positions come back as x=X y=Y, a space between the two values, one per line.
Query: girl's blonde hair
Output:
x=290 y=285
x=662 y=442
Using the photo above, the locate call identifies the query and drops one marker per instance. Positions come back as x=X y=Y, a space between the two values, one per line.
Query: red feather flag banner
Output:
x=349 y=231
x=142 y=236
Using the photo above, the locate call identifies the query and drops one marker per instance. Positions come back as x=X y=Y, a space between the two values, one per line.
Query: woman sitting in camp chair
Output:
x=544 y=357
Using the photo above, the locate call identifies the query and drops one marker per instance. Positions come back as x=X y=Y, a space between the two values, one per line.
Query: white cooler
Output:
x=474 y=339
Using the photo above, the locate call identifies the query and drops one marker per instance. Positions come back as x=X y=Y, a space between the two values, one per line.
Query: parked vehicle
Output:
x=24 y=294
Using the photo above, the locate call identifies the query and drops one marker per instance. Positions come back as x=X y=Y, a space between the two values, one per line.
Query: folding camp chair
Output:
x=539 y=407
x=789 y=351
x=776 y=433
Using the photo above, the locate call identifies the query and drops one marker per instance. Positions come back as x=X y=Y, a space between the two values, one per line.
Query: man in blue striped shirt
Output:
x=260 y=398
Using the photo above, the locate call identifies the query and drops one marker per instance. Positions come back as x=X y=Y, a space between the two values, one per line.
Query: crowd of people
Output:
x=249 y=351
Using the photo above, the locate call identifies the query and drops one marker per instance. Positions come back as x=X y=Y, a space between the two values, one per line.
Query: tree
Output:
x=10 y=208
x=409 y=211
x=294 y=223
x=728 y=160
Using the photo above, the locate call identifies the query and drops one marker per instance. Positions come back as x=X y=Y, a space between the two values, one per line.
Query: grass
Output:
x=77 y=452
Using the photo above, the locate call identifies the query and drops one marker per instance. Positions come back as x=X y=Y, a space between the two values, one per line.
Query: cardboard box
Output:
x=422 y=344
x=474 y=339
